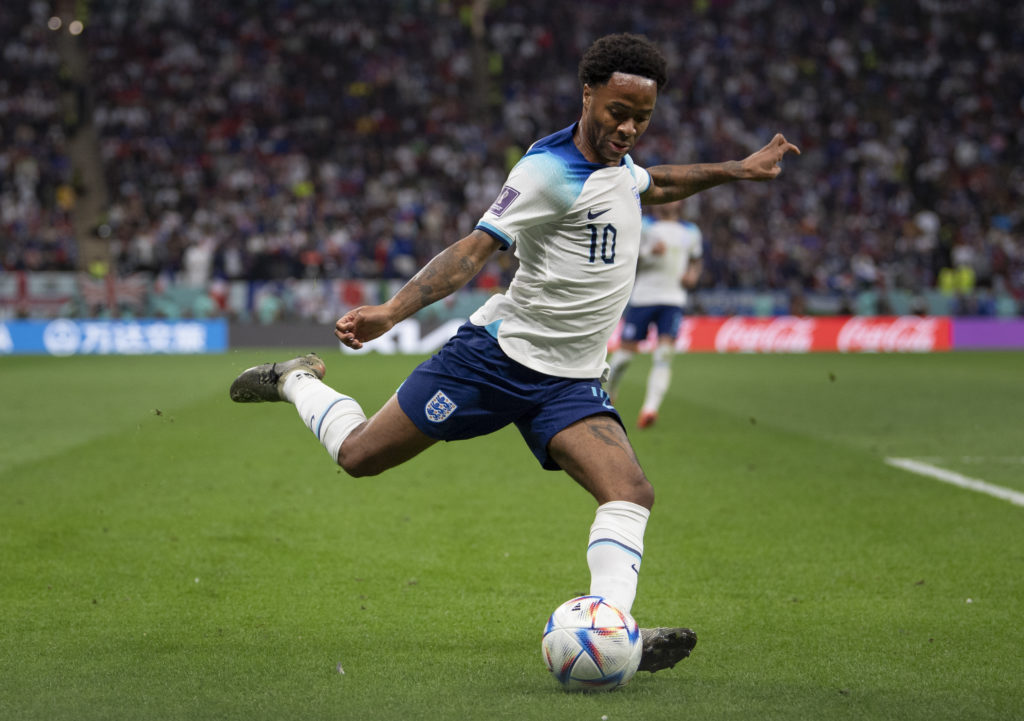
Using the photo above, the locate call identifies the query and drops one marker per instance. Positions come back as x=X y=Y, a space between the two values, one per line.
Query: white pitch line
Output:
x=973 y=484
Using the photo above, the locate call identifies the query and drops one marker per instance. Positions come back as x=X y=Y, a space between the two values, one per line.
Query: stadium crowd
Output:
x=302 y=138
x=36 y=183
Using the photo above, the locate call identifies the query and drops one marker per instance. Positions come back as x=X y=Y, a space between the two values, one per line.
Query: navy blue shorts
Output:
x=640 y=318
x=471 y=388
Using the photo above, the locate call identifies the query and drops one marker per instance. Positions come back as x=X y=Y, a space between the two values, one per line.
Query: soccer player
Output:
x=535 y=355
x=670 y=263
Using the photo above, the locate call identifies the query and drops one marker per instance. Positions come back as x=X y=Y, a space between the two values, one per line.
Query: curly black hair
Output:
x=622 y=53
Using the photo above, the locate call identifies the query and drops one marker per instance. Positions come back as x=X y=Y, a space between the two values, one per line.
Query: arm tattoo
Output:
x=442 y=276
x=681 y=181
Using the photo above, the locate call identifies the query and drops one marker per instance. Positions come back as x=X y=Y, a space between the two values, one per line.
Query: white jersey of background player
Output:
x=575 y=226
x=670 y=262
x=667 y=249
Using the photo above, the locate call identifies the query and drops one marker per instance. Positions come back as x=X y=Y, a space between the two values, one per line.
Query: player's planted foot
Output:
x=646 y=419
x=262 y=383
x=665 y=647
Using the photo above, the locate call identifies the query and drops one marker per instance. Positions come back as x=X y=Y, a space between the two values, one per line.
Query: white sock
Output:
x=615 y=551
x=659 y=378
x=617 y=368
x=330 y=415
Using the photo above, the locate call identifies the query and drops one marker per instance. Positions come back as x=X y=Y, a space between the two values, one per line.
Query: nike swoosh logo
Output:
x=591 y=214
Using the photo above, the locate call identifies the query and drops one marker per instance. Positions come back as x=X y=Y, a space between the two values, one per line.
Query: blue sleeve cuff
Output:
x=495 y=233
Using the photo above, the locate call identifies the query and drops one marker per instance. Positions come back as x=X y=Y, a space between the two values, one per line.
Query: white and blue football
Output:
x=591 y=645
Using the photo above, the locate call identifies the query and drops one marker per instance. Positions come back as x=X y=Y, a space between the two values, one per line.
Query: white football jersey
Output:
x=659 y=277
x=575 y=226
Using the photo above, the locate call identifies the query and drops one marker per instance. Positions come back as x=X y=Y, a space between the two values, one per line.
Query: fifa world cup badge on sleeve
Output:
x=440 y=407
x=505 y=198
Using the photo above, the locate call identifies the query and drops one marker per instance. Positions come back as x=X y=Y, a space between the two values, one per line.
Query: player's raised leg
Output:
x=361 y=446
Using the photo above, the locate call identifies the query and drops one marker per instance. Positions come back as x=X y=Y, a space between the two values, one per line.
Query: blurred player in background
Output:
x=536 y=354
x=670 y=264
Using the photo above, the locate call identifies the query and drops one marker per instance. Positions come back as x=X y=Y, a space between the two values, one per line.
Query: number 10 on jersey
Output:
x=606 y=234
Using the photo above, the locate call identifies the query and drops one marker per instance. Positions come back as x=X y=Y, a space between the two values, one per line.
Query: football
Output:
x=591 y=645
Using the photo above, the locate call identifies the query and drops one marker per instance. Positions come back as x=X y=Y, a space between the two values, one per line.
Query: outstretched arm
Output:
x=674 y=182
x=448 y=271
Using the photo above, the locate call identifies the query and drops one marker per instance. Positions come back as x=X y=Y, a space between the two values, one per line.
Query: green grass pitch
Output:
x=166 y=554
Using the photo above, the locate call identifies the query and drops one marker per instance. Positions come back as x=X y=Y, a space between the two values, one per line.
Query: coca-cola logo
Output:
x=906 y=334
x=765 y=335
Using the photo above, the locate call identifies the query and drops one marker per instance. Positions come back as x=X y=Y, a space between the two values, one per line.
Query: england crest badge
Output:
x=439 y=407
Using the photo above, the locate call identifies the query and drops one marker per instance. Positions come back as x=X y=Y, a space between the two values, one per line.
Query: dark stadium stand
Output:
x=281 y=140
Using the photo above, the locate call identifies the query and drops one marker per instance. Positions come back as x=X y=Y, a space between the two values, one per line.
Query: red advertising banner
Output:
x=792 y=334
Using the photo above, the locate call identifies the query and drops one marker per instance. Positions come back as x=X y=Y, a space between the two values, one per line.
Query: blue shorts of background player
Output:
x=639 y=319
x=471 y=388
